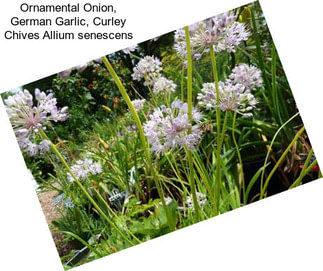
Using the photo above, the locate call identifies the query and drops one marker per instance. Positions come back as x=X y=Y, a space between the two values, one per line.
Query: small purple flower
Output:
x=43 y=146
x=68 y=203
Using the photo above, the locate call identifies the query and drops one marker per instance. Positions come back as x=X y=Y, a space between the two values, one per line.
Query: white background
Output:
x=283 y=232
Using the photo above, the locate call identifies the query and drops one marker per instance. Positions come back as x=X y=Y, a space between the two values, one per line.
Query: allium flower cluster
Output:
x=64 y=74
x=164 y=86
x=82 y=168
x=233 y=97
x=222 y=32
x=32 y=149
x=180 y=42
x=82 y=67
x=130 y=49
x=234 y=94
x=148 y=68
x=247 y=75
x=138 y=104
x=27 y=118
x=170 y=127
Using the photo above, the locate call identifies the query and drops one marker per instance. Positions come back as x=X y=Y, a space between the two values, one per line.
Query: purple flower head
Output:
x=232 y=97
x=147 y=68
x=82 y=67
x=164 y=86
x=170 y=128
x=180 y=42
x=27 y=118
x=138 y=104
x=98 y=60
x=222 y=32
x=247 y=75
x=65 y=74
x=130 y=49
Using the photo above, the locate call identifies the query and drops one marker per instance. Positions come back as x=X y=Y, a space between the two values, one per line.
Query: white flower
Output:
x=188 y=204
x=130 y=49
x=247 y=75
x=170 y=128
x=164 y=86
x=222 y=32
x=147 y=68
x=82 y=168
x=138 y=104
x=232 y=97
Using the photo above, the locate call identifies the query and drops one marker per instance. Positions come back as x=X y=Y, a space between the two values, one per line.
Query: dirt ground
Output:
x=51 y=213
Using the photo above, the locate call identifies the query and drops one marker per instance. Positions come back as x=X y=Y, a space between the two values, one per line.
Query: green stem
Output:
x=271 y=145
x=224 y=128
x=218 y=121
x=281 y=159
x=189 y=75
x=216 y=83
x=115 y=215
x=85 y=192
x=305 y=170
x=240 y=167
x=83 y=242
x=189 y=111
x=142 y=138
x=182 y=84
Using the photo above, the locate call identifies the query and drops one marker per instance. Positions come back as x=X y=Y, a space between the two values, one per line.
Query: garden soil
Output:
x=51 y=213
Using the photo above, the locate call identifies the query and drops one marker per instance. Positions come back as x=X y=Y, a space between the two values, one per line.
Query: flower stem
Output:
x=182 y=84
x=115 y=215
x=142 y=138
x=218 y=126
x=224 y=128
x=189 y=111
x=270 y=148
x=281 y=159
x=240 y=167
x=86 y=193
x=305 y=170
